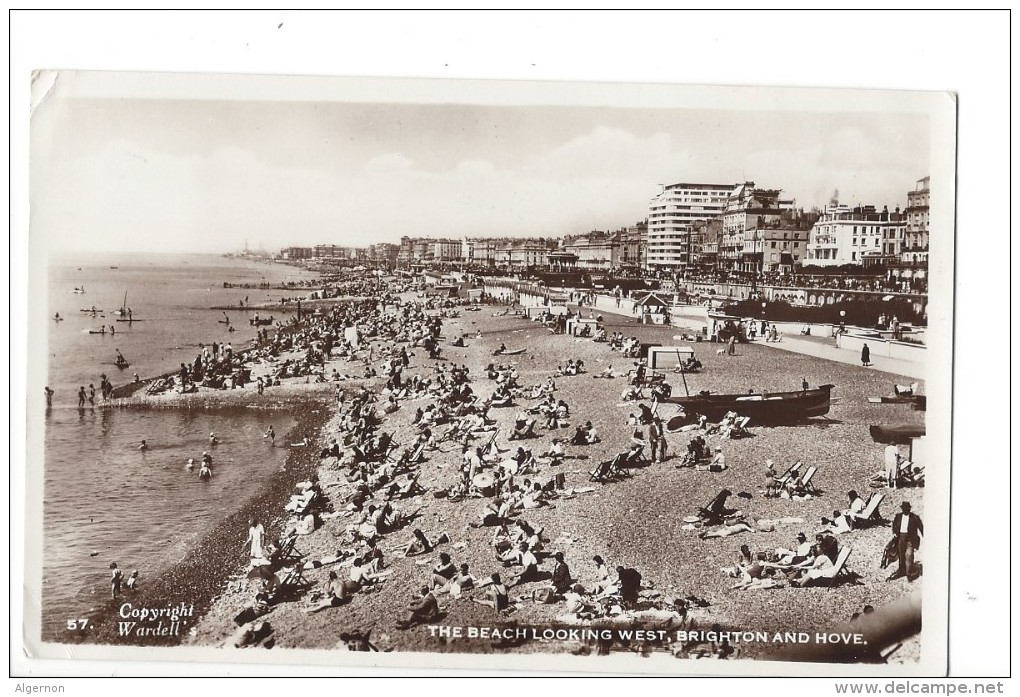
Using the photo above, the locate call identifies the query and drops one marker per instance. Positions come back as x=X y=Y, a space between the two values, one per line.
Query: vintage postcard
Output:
x=504 y=375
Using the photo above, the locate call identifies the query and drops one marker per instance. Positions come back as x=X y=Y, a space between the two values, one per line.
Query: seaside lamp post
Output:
x=842 y=321
x=763 y=310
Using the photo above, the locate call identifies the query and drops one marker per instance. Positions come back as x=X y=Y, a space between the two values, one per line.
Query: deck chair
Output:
x=292 y=583
x=302 y=504
x=416 y=456
x=911 y=475
x=840 y=572
x=715 y=510
x=406 y=489
x=805 y=481
x=607 y=469
x=835 y=573
x=286 y=554
x=870 y=515
x=527 y=430
x=793 y=470
x=631 y=459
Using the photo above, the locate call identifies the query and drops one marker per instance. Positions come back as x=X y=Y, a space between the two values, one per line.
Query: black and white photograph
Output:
x=603 y=377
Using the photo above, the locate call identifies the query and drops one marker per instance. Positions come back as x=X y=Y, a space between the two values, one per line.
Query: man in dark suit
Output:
x=907 y=528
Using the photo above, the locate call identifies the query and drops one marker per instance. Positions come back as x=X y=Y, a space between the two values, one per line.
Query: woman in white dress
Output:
x=255 y=534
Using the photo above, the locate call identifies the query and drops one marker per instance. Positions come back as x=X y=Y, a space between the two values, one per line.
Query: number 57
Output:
x=77 y=624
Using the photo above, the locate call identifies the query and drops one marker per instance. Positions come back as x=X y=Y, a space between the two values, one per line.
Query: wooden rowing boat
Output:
x=765 y=408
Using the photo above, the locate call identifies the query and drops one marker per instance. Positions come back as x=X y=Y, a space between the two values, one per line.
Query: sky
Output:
x=132 y=168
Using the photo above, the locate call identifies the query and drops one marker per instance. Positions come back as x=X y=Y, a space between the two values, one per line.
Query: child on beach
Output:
x=115 y=579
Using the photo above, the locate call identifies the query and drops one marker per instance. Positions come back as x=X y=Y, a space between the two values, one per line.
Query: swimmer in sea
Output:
x=132 y=581
x=205 y=472
x=144 y=445
x=271 y=435
x=190 y=465
x=213 y=440
x=49 y=397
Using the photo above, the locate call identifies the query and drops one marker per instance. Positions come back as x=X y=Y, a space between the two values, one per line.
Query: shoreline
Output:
x=201 y=576
x=602 y=522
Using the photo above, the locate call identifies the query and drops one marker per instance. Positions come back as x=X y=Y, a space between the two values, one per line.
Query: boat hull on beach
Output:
x=767 y=408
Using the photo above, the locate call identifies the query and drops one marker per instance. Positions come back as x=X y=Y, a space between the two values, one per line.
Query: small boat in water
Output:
x=764 y=408
x=124 y=310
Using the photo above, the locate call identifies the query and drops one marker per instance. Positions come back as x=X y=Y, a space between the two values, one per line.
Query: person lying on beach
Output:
x=491 y=514
x=727 y=530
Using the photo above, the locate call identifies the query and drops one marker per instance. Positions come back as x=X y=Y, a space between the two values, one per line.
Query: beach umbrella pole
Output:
x=683 y=373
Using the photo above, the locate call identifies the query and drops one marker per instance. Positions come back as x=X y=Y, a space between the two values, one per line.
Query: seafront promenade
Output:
x=818 y=345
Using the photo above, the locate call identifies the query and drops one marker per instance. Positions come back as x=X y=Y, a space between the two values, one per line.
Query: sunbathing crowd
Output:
x=372 y=510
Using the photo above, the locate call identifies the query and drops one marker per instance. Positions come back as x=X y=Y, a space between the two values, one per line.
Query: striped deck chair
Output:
x=610 y=469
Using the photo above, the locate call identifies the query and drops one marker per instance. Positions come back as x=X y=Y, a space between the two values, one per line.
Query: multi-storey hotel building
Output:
x=672 y=216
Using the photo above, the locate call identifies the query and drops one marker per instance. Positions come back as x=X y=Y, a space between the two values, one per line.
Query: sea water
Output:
x=104 y=500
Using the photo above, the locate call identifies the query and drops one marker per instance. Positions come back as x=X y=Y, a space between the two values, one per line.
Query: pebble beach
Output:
x=635 y=522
